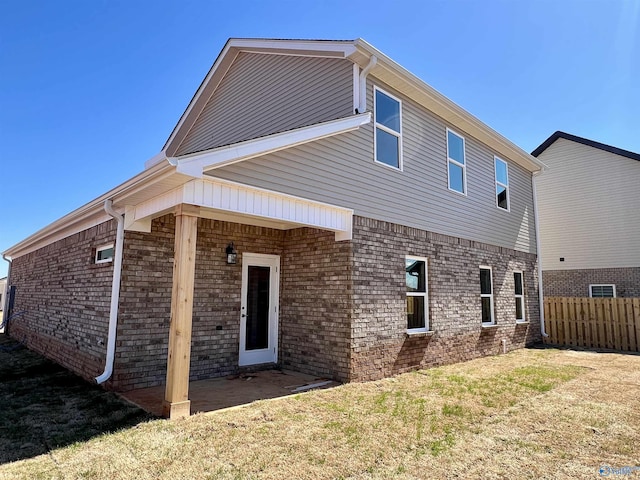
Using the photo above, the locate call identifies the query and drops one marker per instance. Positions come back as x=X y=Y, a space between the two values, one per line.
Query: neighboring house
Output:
x=317 y=207
x=589 y=209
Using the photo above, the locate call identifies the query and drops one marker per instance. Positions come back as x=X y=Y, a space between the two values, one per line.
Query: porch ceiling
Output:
x=229 y=201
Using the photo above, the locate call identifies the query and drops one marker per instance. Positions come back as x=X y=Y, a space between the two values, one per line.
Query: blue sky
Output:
x=90 y=89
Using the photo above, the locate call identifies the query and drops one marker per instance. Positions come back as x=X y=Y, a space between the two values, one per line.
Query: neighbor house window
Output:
x=388 y=129
x=104 y=254
x=602 y=291
x=417 y=298
x=518 y=284
x=456 y=164
x=502 y=183
x=486 y=295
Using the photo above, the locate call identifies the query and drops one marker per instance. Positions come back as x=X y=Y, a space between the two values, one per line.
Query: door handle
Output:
x=243 y=315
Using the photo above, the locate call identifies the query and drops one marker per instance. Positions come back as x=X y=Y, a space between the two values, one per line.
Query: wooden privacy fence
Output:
x=610 y=323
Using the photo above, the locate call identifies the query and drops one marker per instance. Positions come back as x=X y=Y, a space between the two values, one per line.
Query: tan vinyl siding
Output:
x=263 y=94
x=341 y=171
x=589 y=205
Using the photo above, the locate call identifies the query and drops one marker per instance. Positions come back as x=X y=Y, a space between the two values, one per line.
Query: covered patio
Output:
x=208 y=200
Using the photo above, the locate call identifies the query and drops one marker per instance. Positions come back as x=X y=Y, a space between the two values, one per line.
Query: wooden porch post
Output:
x=176 y=399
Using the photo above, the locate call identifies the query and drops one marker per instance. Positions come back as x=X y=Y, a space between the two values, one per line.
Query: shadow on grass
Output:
x=43 y=406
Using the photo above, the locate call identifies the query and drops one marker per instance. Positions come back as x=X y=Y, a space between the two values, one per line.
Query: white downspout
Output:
x=5 y=311
x=362 y=104
x=540 y=283
x=115 y=293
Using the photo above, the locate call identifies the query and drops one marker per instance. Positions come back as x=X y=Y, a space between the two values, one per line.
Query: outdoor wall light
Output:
x=232 y=255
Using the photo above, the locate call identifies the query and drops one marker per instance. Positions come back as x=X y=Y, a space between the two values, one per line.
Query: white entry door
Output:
x=259 y=309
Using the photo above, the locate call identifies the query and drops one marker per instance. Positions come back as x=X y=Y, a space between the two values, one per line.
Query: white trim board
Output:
x=230 y=201
x=196 y=164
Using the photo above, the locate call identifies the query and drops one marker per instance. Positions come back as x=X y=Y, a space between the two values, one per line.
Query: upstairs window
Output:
x=519 y=295
x=388 y=129
x=417 y=297
x=456 y=164
x=502 y=183
x=104 y=254
x=486 y=295
x=602 y=291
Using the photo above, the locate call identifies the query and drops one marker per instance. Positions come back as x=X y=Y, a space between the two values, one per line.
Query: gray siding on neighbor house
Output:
x=263 y=94
x=589 y=204
x=341 y=171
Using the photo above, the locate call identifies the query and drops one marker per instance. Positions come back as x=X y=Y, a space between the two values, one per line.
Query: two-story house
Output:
x=589 y=208
x=317 y=207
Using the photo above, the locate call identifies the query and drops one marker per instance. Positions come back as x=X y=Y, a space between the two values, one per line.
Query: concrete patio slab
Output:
x=219 y=393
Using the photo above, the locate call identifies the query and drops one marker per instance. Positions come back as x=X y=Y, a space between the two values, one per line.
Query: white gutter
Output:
x=115 y=293
x=540 y=283
x=362 y=105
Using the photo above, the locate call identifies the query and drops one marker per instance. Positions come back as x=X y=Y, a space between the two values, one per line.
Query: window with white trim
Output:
x=104 y=254
x=486 y=295
x=456 y=163
x=518 y=289
x=388 y=129
x=502 y=183
x=602 y=291
x=417 y=296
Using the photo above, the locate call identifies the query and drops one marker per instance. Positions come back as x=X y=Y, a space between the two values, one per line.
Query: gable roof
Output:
x=584 y=141
x=360 y=53
x=166 y=172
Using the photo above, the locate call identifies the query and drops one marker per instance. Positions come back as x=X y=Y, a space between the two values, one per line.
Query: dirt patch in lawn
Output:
x=44 y=407
x=538 y=413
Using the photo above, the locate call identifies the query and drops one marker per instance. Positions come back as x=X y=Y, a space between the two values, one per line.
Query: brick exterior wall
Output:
x=65 y=298
x=342 y=304
x=313 y=320
x=315 y=303
x=381 y=346
x=575 y=283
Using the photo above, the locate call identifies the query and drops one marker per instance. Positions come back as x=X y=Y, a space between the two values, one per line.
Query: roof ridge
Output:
x=584 y=141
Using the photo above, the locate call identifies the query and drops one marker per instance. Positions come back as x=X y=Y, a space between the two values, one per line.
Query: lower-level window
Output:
x=486 y=295
x=602 y=291
x=417 y=297
x=518 y=282
x=104 y=254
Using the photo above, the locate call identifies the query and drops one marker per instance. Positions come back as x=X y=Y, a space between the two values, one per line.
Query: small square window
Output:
x=417 y=296
x=104 y=254
x=602 y=291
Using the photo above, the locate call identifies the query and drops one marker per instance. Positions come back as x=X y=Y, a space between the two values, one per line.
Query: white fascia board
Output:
x=155 y=160
x=241 y=203
x=196 y=164
x=430 y=98
x=324 y=48
x=92 y=213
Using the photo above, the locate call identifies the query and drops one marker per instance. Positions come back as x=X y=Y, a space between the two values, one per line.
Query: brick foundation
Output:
x=575 y=283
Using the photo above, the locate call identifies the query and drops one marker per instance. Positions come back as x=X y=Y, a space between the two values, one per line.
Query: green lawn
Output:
x=536 y=413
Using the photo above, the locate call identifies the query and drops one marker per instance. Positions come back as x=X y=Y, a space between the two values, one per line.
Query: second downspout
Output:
x=5 y=298
x=540 y=283
x=362 y=104
x=115 y=293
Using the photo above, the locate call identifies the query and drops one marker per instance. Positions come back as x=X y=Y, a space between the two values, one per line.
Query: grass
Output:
x=528 y=414
x=44 y=407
